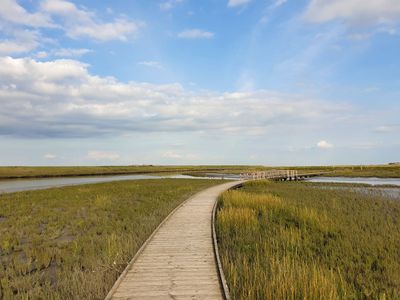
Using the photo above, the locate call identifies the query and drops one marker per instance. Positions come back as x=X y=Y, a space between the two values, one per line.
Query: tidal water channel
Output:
x=17 y=185
x=363 y=180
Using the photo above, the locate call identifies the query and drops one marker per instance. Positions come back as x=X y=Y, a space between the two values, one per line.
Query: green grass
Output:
x=301 y=241
x=73 y=242
x=347 y=171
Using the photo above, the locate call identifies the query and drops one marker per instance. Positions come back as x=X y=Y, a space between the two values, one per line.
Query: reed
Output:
x=300 y=241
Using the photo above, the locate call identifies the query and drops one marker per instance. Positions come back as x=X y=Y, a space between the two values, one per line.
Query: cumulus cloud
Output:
x=368 y=12
x=81 y=23
x=102 y=155
x=16 y=47
x=12 y=12
x=19 y=41
x=324 y=145
x=195 y=34
x=21 y=30
x=61 y=98
x=235 y=3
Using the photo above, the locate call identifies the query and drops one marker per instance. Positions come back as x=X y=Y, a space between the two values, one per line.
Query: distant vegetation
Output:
x=347 y=171
x=73 y=242
x=383 y=171
x=355 y=171
x=29 y=172
x=306 y=241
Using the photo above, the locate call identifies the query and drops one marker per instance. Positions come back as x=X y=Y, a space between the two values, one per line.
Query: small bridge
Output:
x=279 y=175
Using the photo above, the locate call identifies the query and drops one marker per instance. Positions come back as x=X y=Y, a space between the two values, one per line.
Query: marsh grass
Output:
x=346 y=171
x=298 y=241
x=43 y=172
x=73 y=242
x=381 y=171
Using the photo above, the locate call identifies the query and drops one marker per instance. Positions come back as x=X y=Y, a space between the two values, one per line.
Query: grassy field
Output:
x=303 y=241
x=73 y=242
x=347 y=171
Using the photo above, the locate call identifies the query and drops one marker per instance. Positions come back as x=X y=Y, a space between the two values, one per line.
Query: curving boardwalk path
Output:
x=178 y=262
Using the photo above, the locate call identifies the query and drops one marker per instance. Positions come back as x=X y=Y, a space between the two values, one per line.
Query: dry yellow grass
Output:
x=290 y=241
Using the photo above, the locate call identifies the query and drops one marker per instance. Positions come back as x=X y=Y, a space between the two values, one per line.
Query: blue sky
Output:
x=199 y=82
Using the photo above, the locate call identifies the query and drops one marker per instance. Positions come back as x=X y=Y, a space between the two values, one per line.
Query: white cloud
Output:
x=280 y=2
x=16 y=47
x=50 y=156
x=62 y=99
x=12 y=12
x=368 y=12
x=102 y=155
x=175 y=155
x=41 y=54
x=324 y=145
x=70 y=52
x=21 y=30
x=20 y=41
x=195 y=34
x=234 y=3
x=120 y=29
x=167 y=5
x=81 y=23
x=151 y=64
x=171 y=154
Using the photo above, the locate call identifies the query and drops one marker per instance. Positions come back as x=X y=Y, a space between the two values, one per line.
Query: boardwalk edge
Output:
x=220 y=271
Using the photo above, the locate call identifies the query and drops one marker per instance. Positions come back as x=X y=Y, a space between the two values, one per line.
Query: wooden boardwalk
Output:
x=178 y=261
x=280 y=175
